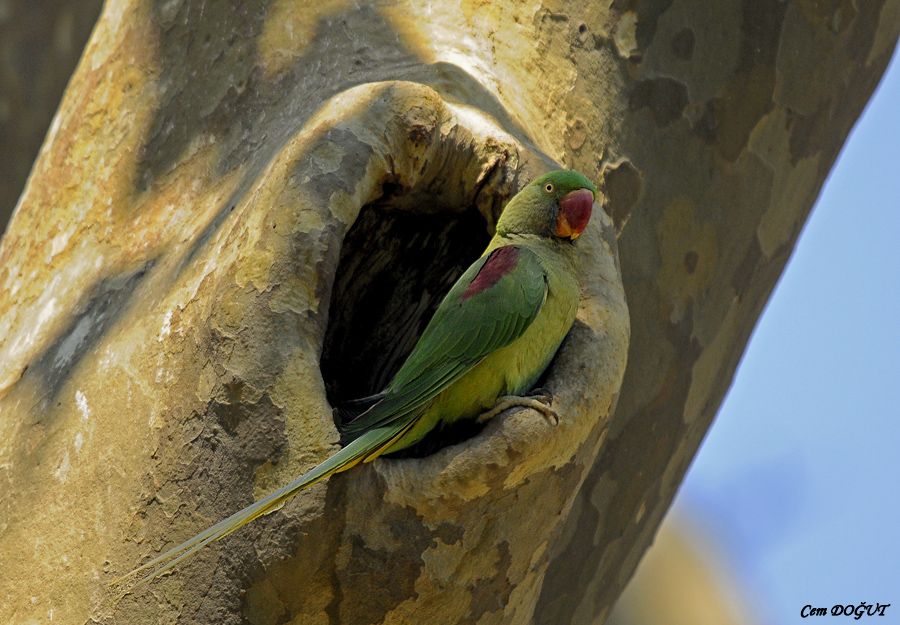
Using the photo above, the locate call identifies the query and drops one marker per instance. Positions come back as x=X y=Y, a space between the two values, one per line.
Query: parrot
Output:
x=487 y=344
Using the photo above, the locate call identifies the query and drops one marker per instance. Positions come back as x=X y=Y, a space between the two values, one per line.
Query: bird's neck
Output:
x=544 y=246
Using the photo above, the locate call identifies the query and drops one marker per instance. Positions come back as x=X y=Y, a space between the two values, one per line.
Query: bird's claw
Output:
x=539 y=402
x=542 y=395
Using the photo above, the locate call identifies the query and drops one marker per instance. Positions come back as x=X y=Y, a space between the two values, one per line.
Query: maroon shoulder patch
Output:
x=499 y=263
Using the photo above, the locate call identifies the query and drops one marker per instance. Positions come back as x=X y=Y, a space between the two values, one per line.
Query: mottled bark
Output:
x=736 y=113
x=234 y=193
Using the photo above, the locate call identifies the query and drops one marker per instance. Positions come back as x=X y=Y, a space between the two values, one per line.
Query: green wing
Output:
x=489 y=307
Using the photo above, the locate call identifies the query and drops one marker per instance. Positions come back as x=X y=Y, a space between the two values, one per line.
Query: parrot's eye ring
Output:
x=548 y=187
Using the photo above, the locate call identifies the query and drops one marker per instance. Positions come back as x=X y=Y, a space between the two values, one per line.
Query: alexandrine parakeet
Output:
x=489 y=341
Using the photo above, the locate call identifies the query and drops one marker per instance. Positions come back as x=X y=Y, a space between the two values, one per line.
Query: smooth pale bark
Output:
x=233 y=193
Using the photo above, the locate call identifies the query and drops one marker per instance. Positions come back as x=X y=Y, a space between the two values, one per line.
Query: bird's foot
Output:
x=539 y=400
x=541 y=394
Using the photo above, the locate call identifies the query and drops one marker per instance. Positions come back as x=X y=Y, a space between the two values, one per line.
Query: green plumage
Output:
x=493 y=335
x=461 y=334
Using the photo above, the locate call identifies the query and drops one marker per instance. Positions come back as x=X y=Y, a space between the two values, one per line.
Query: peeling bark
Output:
x=225 y=198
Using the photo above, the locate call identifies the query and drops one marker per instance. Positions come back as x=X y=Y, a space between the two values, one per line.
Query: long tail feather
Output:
x=363 y=449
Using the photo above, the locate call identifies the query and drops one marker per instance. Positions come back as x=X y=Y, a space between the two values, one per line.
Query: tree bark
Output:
x=246 y=213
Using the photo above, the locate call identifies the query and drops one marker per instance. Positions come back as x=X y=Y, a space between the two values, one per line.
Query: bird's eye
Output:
x=548 y=187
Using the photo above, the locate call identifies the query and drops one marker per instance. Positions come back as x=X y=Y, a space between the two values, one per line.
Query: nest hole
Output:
x=395 y=268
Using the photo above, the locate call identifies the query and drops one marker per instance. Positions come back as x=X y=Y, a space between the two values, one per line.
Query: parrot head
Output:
x=557 y=205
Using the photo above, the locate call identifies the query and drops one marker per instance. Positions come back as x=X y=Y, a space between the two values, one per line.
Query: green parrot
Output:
x=490 y=339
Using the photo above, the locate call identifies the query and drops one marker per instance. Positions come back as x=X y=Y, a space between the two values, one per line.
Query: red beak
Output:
x=574 y=213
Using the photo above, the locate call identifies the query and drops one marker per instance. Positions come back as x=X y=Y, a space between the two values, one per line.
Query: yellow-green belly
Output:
x=511 y=370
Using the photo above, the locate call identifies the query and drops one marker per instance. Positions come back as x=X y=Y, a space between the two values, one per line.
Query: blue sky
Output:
x=797 y=481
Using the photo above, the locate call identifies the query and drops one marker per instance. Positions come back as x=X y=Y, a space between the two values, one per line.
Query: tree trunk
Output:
x=245 y=214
